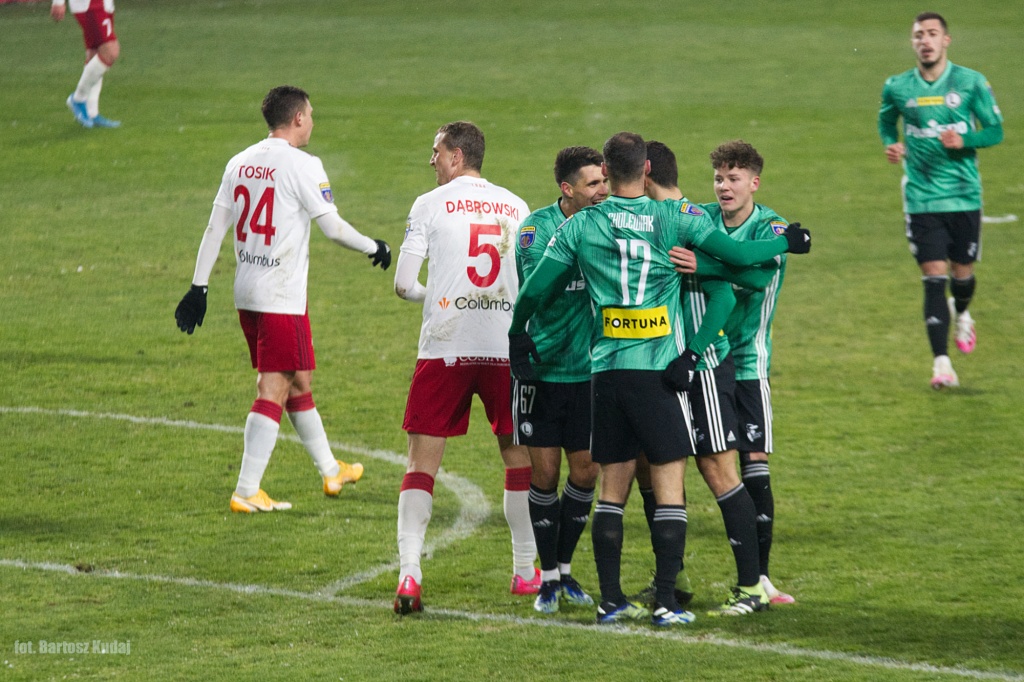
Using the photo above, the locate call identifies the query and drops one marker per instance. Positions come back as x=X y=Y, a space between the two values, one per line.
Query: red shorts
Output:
x=442 y=392
x=97 y=25
x=278 y=343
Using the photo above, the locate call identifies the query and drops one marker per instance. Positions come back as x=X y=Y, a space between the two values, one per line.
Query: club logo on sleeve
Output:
x=629 y=323
x=690 y=209
x=325 y=192
x=527 y=234
x=778 y=226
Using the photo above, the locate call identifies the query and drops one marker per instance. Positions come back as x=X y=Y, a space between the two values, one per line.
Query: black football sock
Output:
x=741 y=528
x=758 y=482
x=606 y=531
x=574 y=514
x=936 y=314
x=962 y=291
x=544 y=517
x=668 y=536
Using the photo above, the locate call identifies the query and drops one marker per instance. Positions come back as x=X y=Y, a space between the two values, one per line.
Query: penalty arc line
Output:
x=469 y=496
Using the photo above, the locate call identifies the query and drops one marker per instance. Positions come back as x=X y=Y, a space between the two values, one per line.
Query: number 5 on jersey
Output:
x=262 y=219
x=478 y=248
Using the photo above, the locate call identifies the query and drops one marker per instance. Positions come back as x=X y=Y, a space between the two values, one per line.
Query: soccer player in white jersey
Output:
x=466 y=230
x=270 y=193
x=96 y=17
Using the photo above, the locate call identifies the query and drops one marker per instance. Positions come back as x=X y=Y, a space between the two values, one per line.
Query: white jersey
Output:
x=79 y=6
x=273 y=191
x=466 y=229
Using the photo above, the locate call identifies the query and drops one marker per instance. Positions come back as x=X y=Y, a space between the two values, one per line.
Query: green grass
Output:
x=899 y=509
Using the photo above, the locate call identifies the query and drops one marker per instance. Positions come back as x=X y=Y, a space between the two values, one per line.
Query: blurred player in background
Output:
x=465 y=229
x=641 y=363
x=269 y=193
x=948 y=113
x=552 y=413
x=96 y=17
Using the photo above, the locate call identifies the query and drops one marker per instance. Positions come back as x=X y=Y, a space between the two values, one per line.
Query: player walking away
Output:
x=949 y=112
x=96 y=17
x=552 y=413
x=641 y=364
x=465 y=228
x=714 y=393
x=269 y=193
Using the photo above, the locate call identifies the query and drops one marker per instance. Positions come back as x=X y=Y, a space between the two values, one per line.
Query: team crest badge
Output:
x=778 y=226
x=527 y=234
x=953 y=100
x=690 y=209
x=325 y=192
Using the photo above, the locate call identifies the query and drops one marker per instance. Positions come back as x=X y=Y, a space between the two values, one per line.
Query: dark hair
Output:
x=925 y=16
x=737 y=154
x=625 y=155
x=571 y=159
x=664 y=171
x=467 y=137
x=282 y=103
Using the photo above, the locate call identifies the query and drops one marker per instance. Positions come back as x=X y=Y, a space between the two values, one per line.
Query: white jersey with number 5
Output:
x=273 y=191
x=466 y=229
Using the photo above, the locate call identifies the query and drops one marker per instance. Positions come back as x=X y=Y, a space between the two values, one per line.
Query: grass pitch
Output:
x=898 y=509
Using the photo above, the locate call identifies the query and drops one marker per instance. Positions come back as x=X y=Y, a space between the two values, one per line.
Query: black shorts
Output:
x=633 y=412
x=715 y=427
x=754 y=411
x=549 y=414
x=954 y=236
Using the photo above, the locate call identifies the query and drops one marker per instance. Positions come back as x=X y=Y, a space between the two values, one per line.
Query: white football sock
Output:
x=92 y=102
x=414 y=509
x=310 y=428
x=93 y=72
x=260 y=438
x=516 y=504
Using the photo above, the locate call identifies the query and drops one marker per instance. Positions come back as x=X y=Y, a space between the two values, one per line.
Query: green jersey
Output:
x=621 y=246
x=694 y=304
x=936 y=179
x=749 y=327
x=562 y=329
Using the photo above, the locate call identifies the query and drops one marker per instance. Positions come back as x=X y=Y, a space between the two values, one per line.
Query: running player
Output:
x=640 y=362
x=948 y=113
x=102 y=48
x=552 y=413
x=466 y=228
x=269 y=193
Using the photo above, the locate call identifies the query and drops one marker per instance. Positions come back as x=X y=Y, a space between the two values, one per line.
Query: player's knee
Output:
x=109 y=52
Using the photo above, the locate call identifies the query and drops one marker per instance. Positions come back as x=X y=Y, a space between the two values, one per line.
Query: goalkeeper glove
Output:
x=520 y=349
x=383 y=255
x=679 y=374
x=798 y=239
x=192 y=309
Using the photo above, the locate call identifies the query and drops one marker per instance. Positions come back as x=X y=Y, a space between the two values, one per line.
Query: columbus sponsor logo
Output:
x=261 y=261
x=471 y=303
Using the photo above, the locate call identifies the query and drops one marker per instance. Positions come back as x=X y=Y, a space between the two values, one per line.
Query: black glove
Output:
x=520 y=348
x=383 y=255
x=798 y=238
x=679 y=374
x=192 y=309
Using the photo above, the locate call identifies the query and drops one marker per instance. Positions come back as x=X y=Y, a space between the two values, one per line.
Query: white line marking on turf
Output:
x=474 y=509
x=473 y=505
x=619 y=630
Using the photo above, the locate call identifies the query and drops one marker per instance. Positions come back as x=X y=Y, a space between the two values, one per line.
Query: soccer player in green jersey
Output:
x=949 y=112
x=552 y=413
x=641 y=363
x=714 y=390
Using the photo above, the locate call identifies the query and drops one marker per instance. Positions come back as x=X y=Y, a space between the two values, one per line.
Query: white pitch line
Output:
x=618 y=630
x=473 y=505
x=469 y=519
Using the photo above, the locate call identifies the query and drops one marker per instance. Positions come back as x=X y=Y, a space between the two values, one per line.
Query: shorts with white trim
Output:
x=954 y=236
x=754 y=412
x=550 y=414
x=712 y=394
x=634 y=411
